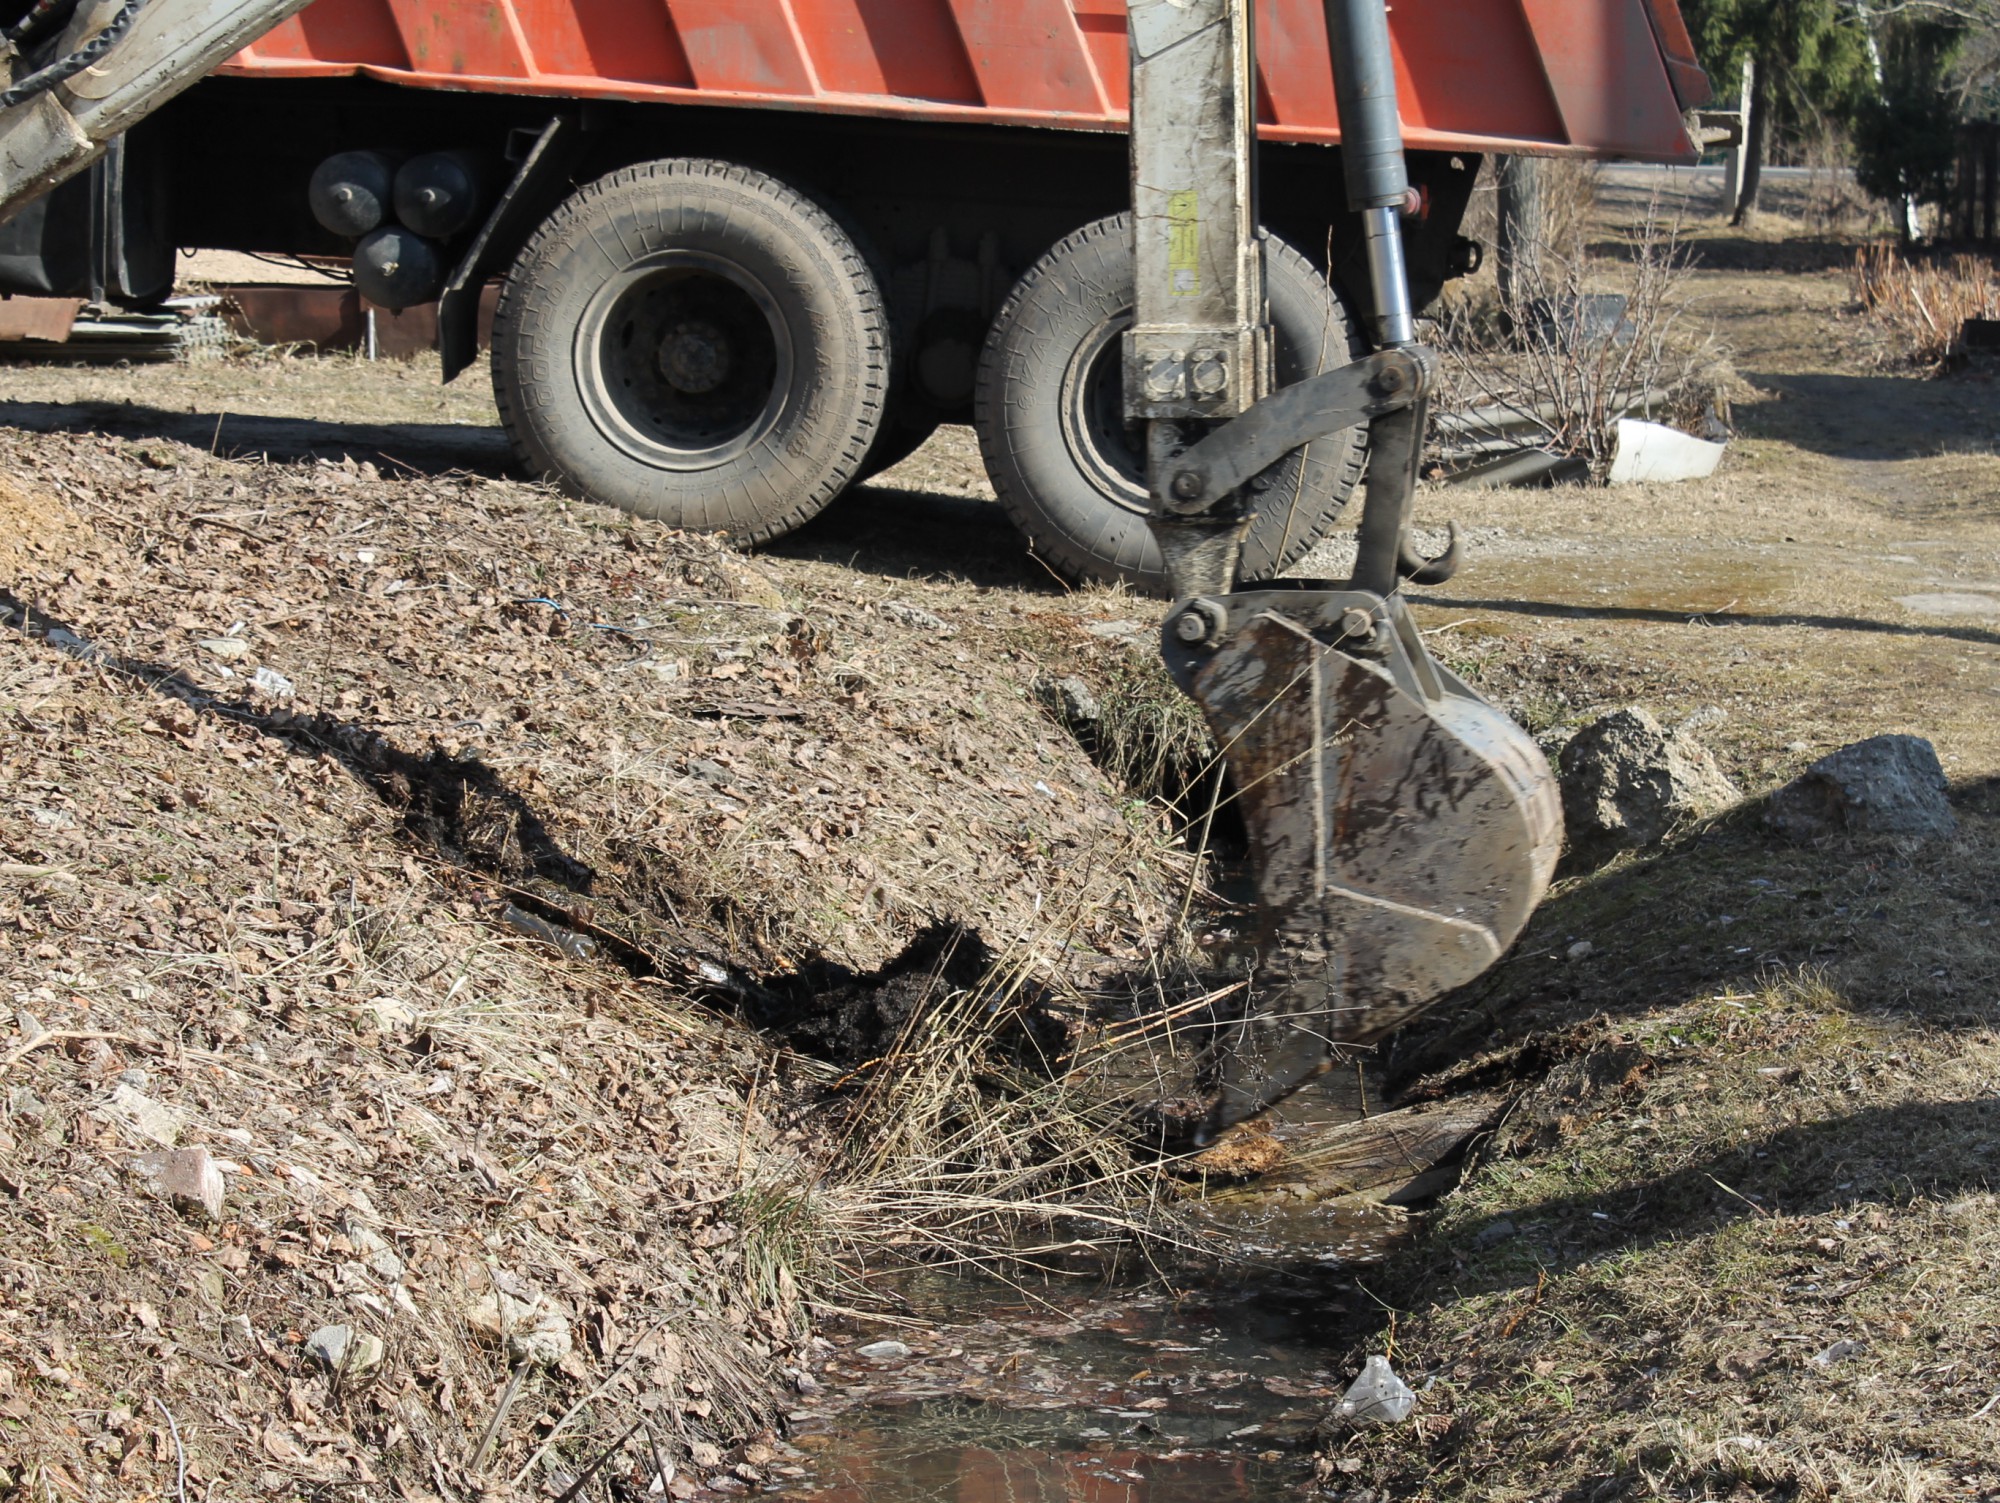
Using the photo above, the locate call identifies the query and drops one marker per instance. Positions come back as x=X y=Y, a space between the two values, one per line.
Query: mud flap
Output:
x=1401 y=828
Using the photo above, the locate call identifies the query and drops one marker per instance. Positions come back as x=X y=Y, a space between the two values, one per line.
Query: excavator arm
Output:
x=82 y=72
x=1401 y=828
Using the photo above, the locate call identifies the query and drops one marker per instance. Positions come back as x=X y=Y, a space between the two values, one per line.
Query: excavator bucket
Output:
x=1401 y=828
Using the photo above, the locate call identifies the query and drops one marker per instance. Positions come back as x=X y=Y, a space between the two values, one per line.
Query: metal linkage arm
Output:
x=1203 y=475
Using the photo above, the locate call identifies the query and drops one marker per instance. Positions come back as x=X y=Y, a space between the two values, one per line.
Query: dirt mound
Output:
x=327 y=800
x=633 y=725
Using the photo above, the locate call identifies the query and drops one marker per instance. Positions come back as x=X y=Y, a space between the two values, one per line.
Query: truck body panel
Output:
x=1595 y=78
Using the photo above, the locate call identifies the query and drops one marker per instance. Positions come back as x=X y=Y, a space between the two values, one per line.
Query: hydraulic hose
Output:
x=37 y=17
x=44 y=79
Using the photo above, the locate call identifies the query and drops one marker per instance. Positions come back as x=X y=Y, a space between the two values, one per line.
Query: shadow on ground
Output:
x=1890 y=922
x=1564 y=611
x=423 y=448
x=1871 y=417
x=1890 y=1154
x=906 y=534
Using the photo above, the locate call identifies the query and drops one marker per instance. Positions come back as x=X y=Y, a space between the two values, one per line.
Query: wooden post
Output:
x=1739 y=152
x=1518 y=254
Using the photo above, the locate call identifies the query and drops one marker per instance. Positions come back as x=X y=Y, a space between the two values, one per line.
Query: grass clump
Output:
x=986 y=1136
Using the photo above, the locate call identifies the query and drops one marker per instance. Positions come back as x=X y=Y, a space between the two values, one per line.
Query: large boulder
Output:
x=1885 y=785
x=1628 y=781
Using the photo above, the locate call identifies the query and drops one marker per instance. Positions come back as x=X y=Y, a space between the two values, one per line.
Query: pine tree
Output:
x=1906 y=135
x=1810 y=57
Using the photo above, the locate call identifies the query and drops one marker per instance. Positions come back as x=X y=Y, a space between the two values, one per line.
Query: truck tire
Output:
x=1049 y=412
x=694 y=342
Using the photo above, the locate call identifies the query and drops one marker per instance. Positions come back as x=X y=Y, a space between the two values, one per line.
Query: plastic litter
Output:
x=1377 y=1397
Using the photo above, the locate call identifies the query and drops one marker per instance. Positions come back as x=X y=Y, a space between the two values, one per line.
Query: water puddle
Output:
x=1207 y=1386
x=1951 y=603
x=1212 y=1392
x=1202 y=1382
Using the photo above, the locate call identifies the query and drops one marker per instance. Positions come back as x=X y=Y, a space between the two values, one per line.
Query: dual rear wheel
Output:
x=700 y=343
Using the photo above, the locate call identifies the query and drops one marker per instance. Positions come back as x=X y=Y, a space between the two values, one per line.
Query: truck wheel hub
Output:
x=695 y=357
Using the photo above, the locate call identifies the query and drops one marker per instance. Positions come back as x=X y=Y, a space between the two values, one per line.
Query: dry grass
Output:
x=1917 y=308
x=970 y=1147
x=1744 y=1243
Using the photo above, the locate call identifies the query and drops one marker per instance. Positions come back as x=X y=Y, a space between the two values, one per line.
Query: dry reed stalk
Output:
x=1920 y=306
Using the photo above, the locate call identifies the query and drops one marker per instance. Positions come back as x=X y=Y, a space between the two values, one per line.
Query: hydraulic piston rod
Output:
x=1401 y=828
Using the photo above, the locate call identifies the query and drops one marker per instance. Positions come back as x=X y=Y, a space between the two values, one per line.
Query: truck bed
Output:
x=1598 y=78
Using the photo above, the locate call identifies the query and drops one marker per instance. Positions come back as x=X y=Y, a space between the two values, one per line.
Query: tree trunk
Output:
x=1906 y=208
x=1753 y=144
x=1519 y=251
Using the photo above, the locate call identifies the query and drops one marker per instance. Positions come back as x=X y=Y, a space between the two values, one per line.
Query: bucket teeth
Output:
x=1401 y=828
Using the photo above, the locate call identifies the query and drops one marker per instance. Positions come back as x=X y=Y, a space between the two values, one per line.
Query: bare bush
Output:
x=1917 y=308
x=1834 y=203
x=1577 y=343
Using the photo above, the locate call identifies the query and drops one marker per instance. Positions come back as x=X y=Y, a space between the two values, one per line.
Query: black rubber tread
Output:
x=829 y=298
x=1066 y=515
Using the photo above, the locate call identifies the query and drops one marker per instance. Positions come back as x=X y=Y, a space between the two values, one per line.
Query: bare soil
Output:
x=1736 y=1236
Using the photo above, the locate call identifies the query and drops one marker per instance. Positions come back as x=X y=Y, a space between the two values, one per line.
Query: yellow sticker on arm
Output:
x=1184 y=244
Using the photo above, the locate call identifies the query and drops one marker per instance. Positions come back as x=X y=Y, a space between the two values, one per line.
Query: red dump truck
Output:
x=755 y=250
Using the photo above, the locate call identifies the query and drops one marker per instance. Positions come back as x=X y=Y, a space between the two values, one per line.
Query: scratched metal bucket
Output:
x=1401 y=828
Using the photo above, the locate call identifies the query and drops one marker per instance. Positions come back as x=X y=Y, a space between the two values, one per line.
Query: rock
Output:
x=1890 y=785
x=374 y=1250
x=1377 y=1397
x=229 y=649
x=1627 y=782
x=187 y=1177
x=1583 y=949
x=917 y=616
x=884 y=1351
x=530 y=1330
x=150 y=1119
x=344 y=1350
x=1127 y=633
x=1070 y=700
x=545 y=1343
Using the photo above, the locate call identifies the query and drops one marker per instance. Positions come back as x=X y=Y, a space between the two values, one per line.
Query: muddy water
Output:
x=1139 y=1395
x=1175 y=1386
